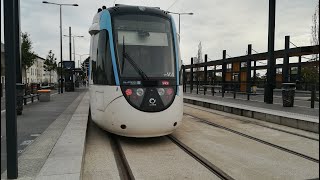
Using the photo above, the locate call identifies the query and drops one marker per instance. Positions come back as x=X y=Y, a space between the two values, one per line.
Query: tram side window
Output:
x=93 y=55
x=104 y=71
x=179 y=60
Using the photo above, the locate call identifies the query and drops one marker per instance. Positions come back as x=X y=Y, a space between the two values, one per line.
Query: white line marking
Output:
x=26 y=143
x=35 y=135
x=308 y=107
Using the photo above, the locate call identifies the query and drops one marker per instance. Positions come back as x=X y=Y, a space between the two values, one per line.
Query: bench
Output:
x=29 y=96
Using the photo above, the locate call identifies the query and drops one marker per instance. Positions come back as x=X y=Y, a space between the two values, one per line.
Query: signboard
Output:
x=68 y=64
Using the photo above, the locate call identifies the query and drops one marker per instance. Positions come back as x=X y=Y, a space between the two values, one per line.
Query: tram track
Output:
x=170 y=156
x=254 y=138
x=261 y=125
x=211 y=167
x=125 y=158
x=120 y=157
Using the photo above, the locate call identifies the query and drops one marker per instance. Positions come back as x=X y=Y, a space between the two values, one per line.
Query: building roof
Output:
x=40 y=57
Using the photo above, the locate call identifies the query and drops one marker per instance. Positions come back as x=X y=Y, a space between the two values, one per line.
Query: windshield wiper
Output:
x=133 y=63
x=135 y=66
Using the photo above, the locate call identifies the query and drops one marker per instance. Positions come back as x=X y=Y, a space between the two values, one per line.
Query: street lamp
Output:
x=80 y=55
x=179 y=18
x=74 y=50
x=46 y=2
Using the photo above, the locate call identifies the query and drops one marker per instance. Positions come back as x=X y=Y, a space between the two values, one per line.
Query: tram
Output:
x=135 y=71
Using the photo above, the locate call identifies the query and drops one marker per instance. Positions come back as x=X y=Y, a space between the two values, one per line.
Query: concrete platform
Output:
x=58 y=152
x=65 y=159
x=295 y=120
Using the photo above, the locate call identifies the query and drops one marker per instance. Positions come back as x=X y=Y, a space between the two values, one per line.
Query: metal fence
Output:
x=238 y=75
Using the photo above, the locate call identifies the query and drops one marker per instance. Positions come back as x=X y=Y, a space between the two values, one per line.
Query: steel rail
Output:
x=281 y=130
x=211 y=167
x=121 y=160
x=255 y=139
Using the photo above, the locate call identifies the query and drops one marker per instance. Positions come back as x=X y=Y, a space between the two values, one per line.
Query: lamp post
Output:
x=74 y=49
x=179 y=17
x=60 y=5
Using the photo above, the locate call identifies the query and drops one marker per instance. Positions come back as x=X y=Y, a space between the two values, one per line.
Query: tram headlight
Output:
x=128 y=92
x=169 y=91
x=140 y=92
x=166 y=95
x=161 y=91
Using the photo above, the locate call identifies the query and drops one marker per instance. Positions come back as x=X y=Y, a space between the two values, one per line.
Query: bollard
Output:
x=198 y=87
x=191 y=76
x=212 y=90
x=313 y=95
x=222 y=90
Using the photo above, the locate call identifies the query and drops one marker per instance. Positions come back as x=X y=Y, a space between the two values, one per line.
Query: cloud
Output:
x=218 y=24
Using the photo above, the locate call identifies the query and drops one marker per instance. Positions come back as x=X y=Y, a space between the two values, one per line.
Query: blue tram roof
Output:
x=123 y=9
x=101 y=18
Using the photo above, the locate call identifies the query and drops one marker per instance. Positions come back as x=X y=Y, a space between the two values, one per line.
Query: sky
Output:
x=217 y=24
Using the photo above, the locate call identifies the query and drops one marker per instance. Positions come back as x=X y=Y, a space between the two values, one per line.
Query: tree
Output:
x=27 y=55
x=315 y=27
x=315 y=31
x=50 y=63
x=310 y=74
x=199 y=58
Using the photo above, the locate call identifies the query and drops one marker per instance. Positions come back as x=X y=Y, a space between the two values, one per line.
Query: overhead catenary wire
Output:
x=302 y=56
x=172 y=4
x=254 y=51
x=210 y=58
x=293 y=44
x=214 y=60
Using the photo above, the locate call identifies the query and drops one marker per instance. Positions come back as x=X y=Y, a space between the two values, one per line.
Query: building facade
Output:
x=46 y=77
x=37 y=74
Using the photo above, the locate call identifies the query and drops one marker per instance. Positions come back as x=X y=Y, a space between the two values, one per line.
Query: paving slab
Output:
x=261 y=112
x=42 y=156
x=298 y=144
x=67 y=164
x=159 y=158
x=242 y=158
x=99 y=160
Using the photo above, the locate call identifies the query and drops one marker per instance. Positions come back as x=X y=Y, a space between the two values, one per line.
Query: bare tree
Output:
x=198 y=59
x=50 y=64
x=27 y=55
x=315 y=30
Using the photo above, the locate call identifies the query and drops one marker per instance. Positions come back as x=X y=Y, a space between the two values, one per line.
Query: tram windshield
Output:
x=148 y=41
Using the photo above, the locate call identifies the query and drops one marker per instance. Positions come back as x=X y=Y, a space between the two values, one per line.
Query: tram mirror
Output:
x=94 y=29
